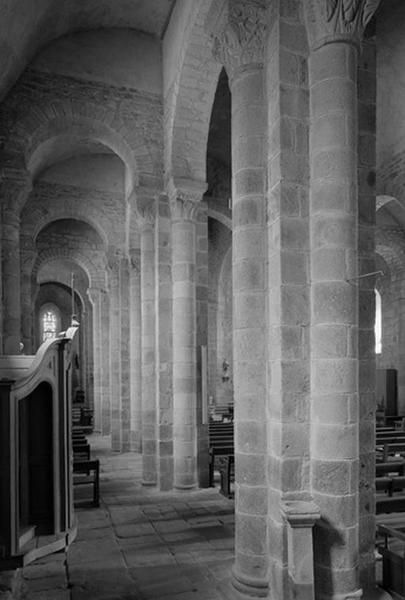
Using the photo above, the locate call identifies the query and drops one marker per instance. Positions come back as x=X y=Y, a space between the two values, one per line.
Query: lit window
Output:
x=50 y=322
x=378 y=323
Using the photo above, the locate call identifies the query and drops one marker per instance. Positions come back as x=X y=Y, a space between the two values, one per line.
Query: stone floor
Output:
x=140 y=544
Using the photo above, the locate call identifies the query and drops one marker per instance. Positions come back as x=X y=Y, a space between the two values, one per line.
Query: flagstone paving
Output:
x=140 y=544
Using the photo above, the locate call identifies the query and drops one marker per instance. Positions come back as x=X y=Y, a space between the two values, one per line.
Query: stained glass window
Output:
x=50 y=322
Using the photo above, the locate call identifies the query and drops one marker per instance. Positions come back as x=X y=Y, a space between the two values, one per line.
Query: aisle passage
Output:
x=140 y=544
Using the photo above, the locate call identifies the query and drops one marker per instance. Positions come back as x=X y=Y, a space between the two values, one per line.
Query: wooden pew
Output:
x=393 y=557
x=390 y=449
x=81 y=450
x=391 y=466
x=87 y=472
x=221 y=449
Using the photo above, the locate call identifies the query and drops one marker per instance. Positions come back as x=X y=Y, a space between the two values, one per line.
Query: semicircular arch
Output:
x=96 y=273
x=192 y=95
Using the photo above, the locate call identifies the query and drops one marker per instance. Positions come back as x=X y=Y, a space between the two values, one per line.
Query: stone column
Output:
x=366 y=262
x=238 y=45
x=202 y=342
x=95 y=299
x=146 y=209
x=14 y=190
x=105 y=363
x=334 y=32
x=115 y=348
x=136 y=350
x=164 y=391
x=125 y=415
x=28 y=255
x=184 y=196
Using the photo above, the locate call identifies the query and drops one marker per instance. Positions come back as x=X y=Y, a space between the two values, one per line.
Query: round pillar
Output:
x=241 y=52
x=14 y=190
x=334 y=314
x=115 y=349
x=184 y=198
x=95 y=299
x=146 y=213
x=333 y=63
x=11 y=280
x=136 y=352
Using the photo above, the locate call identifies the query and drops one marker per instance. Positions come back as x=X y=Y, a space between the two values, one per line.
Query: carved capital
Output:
x=135 y=259
x=338 y=20
x=144 y=202
x=185 y=196
x=114 y=257
x=94 y=295
x=239 y=34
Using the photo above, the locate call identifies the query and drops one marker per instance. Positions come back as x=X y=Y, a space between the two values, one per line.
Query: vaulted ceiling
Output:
x=26 y=26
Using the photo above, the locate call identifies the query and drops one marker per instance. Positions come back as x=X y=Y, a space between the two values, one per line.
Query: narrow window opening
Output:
x=378 y=323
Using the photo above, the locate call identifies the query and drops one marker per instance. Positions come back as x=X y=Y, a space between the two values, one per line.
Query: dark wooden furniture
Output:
x=393 y=557
x=221 y=455
x=36 y=494
x=87 y=472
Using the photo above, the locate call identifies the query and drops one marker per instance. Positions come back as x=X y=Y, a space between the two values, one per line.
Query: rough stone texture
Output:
x=334 y=438
x=249 y=283
x=288 y=276
x=89 y=125
x=148 y=312
x=164 y=318
x=366 y=351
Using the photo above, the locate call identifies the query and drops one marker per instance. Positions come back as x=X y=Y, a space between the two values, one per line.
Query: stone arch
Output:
x=190 y=99
x=42 y=220
x=391 y=177
x=390 y=245
x=62 y=134
x=383 y=200
x=95 y=273
x=55 y=124
x=219 y=216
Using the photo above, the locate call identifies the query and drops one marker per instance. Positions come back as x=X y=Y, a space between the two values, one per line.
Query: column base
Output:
x=376 y=593
x=149 y=483
x=185 y=488
x=239 y=587
x=229 y=592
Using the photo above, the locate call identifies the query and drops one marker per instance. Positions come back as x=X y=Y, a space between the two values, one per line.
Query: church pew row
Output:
x=393 y=557
x=221 y=454
x=87 y=472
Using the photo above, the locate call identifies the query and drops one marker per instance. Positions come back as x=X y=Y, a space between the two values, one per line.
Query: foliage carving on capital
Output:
x=94 y=295
x=335 y=19
x=185 y=198
x=114 y=256
x=145 y=200
x=135 y=259
x=239 y=37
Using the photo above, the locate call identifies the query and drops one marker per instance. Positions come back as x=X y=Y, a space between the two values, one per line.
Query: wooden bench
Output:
x=389 y=500
x=393 y=557
x=390 y=466
x=87 y=472
x=81 y=450
x=221 y=449
x=390 y=448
